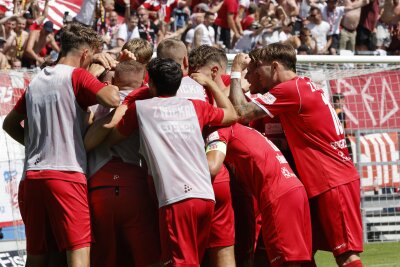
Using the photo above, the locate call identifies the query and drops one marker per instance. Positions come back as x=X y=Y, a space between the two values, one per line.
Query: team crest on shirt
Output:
x=212 y=137
x=268 y=98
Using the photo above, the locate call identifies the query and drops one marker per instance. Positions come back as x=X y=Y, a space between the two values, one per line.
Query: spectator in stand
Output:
x=249 y=38
x=319 y=30
x=160 y=8
x=286 y=32
x=226 y=22
x=38 y=18
x=147 y=29
x=3 y=59
x=365 y=30
x=16 y=64
x=29 y=20
x=196 y=19
x=204 y=33
x=333 y=14
x=251 y=16
x=305 y=41
x=37 y=40
x=289 y=6
x=387 y=24
x=128 y=31
x=16 y=43
x=394 y=47
x=112 y=29
x=349 y=25
x=7 y=27
x=281 y=16
x=270 y=33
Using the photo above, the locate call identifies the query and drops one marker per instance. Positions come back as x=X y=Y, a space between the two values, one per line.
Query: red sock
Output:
x=356 y=263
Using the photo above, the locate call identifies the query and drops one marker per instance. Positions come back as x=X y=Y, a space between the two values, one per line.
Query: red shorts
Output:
x=56 y=215
x=125 y=223
x=246 y=227
x=184 y=231
x=222 y=232
x=336 y=219
x=286 y=228
x=21 y=199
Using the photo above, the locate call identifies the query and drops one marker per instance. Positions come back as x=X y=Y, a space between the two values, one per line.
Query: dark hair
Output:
x=252 y=8
x=205 y=54
x=315 y=8
x=285 y=54
x=166 y=75
x=75 y=35
x=304 y=48
x=208 y=13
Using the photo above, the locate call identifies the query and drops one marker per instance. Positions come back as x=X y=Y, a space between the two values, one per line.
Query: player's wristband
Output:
x=236 y=75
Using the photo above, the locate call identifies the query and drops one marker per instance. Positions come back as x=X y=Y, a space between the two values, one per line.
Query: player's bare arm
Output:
x=215 y=152
x=105 y=59
x=230 y=115
x=33 y=35
x=99 y=130
x=54 y=44
x=108 y=96
x=247 y=111
x=114 y=137
x=12 y=126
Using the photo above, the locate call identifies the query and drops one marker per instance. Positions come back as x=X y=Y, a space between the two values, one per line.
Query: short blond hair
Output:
x=142 y=49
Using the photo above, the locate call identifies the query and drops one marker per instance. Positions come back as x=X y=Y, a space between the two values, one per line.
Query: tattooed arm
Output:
x=247 y=111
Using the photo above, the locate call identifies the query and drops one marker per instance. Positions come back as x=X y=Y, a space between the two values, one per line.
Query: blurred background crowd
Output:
x=29 y=37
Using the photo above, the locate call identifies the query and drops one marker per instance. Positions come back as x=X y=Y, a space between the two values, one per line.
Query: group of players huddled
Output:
x=178 y=161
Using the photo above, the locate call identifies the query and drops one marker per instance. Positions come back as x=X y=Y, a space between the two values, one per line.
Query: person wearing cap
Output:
x=37 y=40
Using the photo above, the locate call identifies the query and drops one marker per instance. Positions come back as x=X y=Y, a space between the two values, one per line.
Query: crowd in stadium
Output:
x=132 y=160
x=310 y=26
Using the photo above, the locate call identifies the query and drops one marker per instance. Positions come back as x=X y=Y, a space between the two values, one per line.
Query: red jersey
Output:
x=256 y=161
x=246 y=22
x=314 y=133
x=228 y=7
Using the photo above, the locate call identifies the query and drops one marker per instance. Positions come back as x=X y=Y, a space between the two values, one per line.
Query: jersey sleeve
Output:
x=232 y=6
x=222 y=134
x=85 y=86
x=208 y=114
x=129 y=122
x=282 y=98
x=20 y=106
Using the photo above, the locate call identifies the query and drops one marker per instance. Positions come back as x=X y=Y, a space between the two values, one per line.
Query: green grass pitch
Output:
x=374 y=255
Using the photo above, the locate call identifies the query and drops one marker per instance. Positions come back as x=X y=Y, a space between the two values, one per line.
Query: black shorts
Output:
x=335 y=41
x=365 y=37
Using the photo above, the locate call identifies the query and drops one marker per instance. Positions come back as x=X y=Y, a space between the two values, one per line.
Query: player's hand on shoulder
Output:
x=201 y=78
x=105 y=59
x=240 y=62
x=126 y=55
